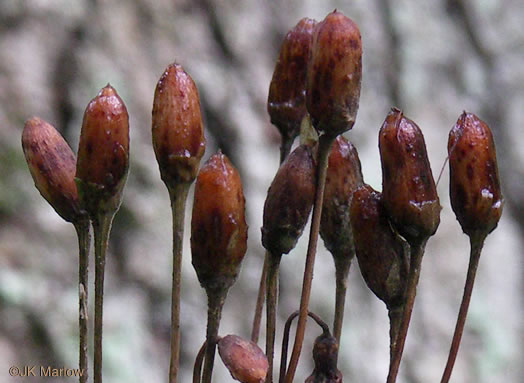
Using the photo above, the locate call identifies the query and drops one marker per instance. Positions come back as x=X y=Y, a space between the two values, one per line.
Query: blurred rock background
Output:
x=433 y=59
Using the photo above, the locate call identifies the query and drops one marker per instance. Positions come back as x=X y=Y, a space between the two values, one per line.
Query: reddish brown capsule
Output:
x=409 y=191
x=286 y=103
x=344 y=176
x=289 y=201
x=52 y=165
x=178 y=135
x=218 y=226
x=475 y=192
x=325 y=355
x=246 y=362
x=334 y=74
x=379 y=251
x=103 y=151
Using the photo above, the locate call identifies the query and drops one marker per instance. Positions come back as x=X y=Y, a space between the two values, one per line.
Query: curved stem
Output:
x=214 y=313
x=477 y=242
x=417 y=251
x=323 y=154
x=257 y=318
x=101 y=228
x=342 y=265
x=272 y=292
x=178 y=196
x=197 y=367
x=84 y=240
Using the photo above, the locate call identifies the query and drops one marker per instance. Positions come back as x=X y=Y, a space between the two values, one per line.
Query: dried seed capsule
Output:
x=408 y=188
x=244 y=359
x=475 y=192
x=289 y=201
x=286 y=102
x=344 y=176
x=178 y=136
x=334 y=74
x=52 y=165
x=103 y=152
x=218 y=226
x=379 y=251
x=325 y=355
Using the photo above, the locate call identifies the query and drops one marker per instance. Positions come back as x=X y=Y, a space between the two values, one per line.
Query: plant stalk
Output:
x=272 y=293
x=395 y=320
x=178 y=196
x=84 y=240
x=417 y=252
x=477 y=242
x=101 y=229
x=197 y=367
x=342 y=266
x=324 y=148
x=257 y=319
x=215 y=303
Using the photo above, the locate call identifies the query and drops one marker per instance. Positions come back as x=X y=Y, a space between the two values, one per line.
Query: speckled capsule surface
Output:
x=177 y=130
x=475 y=193
x=52 y=165
x=409 y=191
x=344 y=176
x=218 y=225
x=246 y=362
x=334 y=74
x=289 y=201
x=103 y=150
x=379 y=252
x=286 y=103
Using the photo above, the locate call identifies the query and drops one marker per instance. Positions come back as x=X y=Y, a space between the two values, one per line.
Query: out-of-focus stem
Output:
x=342 y=265
x=255 y=332
x=178 y=196
x=101 y=229
x=197 y=368
x=84 y=240
x=477 y=242
x=417 y=251
x=272 y=291
x=323 y=155
x=215 y=303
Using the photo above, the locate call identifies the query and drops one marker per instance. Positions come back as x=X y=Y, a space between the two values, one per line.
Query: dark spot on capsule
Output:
x=331 y=64
x=89 y=148
x=469 y=171
x=353 y=43
x=460 y=195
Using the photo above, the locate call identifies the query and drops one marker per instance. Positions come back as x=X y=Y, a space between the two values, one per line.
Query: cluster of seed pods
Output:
x=316 y=81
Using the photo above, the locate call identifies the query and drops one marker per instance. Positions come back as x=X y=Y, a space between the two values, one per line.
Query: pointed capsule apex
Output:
x=177 y=130
x=475 y=192
x=52 y=165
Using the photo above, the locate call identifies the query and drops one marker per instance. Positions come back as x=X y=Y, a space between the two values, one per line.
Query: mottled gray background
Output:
x=433 y=59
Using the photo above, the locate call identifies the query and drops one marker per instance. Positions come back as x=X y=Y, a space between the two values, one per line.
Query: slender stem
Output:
x=84 y=240
x=272 y=292
x=323 y=154
x=197 y=368
x=395 y=320
x=342 y=265
x=178 y=196
x=417 y=251
x=214 y=313
x=101 y=228
x=477 y=242
x=257 y=319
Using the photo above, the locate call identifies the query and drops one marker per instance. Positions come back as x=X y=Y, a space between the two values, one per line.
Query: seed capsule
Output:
x=103 y=151
x=334 y=74
x=289 y=201
x=379 y=251
x=52 y=165
x=409 y=191
x=475 y=192
x=286 y=102
x=218 y=226
x=178 y=135
x=344 y=176
x=244 y=359
x=325 y=355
